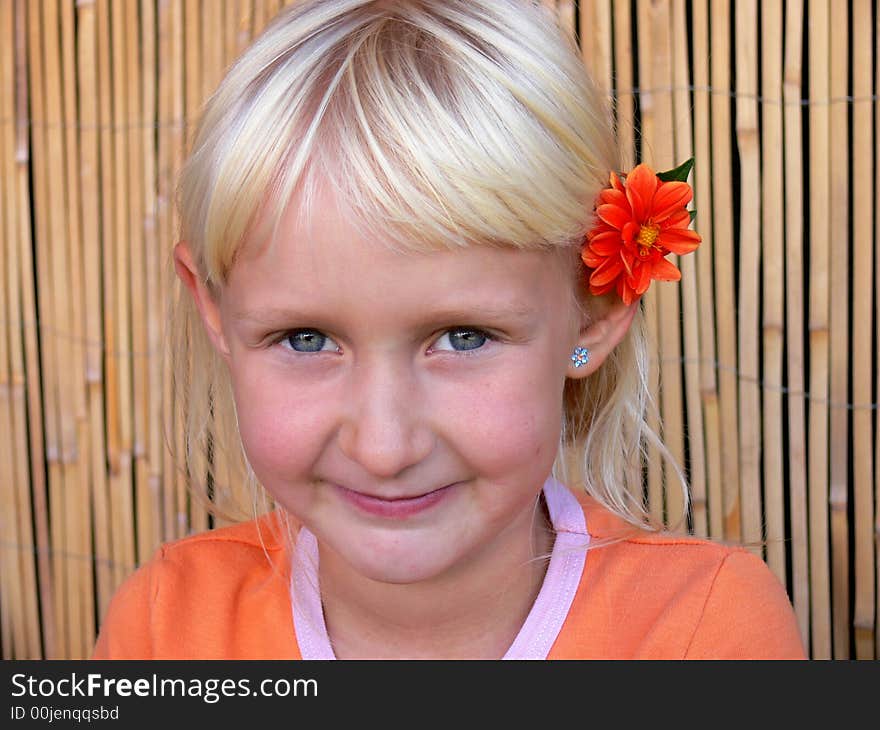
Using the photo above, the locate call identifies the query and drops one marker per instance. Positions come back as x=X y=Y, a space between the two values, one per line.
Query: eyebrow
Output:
x=461 y=315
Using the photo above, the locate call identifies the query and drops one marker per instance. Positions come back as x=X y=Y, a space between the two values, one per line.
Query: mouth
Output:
x=396 y=507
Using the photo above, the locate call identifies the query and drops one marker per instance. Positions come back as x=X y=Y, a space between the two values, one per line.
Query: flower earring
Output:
x=580 y=356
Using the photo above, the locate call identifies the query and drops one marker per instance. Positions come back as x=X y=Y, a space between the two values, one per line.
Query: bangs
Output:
x=438 y=125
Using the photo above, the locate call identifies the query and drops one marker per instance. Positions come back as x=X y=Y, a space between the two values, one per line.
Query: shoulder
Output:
x=193 y=597
x=218 y=559
x=683 y=596
x=653 y=559
x=257 y=541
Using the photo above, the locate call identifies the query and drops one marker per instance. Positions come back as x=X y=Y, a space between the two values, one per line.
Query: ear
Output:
x=605 y=330
x=208 y=308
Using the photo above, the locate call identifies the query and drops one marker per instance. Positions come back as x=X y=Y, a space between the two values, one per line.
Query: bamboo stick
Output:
x=39 y=477
x=121 y=485
x=704 y=261
x=171 y=131
x=192 y=64
x=177 y=141
x=690 y=302
x=212 y=69
x=54 y=258
x=624 y=106
x=89 y=182
x=245 y=26
x=725 y=305
x=794 y=282
x=273 y=6
x=109 y=131
x=669 y=315
x=838 y=337
x=749 y=276
x=585 y=34
x=6 y=631
x=650 y=304
x=259 y=16
x=106 y=537
x=773 y=284
x=137 y=72
x=863 y=534
x=595 y=24
x=231 y=29
x=818 y=322
x=12 y=586
x=877 y=351
x=31 y=72
x=624 y=116
x=46 y=231
x=194 y=86
x=82 y=559
x=77 y=490
x=212 y=47
x=20 y=473
x=9 y=518
x=165 y=68
x=567 y=17
x=151 y=238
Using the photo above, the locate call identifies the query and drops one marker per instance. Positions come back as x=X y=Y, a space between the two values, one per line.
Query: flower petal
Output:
x=613 y=197
x=626 y=293
x=599 y=290
x=679 y=240
x=664 y=270
x=607 y=272
x=590 y=258
x=641 y=279
x=670 y=197
x=614 y=215
x=641 y=184
x=681 y=219
x=629 y=232
x=629 y=260
x=605 y=243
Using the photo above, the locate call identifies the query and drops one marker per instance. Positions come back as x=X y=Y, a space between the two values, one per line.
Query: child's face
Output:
x=405 y=407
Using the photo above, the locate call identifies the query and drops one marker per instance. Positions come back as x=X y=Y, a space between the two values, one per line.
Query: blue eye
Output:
x=461 y=339
x=310 y=341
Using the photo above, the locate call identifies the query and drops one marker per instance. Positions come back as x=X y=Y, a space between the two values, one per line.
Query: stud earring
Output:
x=580 y=356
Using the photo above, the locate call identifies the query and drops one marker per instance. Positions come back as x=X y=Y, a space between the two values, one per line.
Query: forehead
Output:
x=320 y=250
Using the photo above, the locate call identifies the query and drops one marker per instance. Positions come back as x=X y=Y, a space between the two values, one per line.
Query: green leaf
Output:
x=679 y=174
x=693 y=215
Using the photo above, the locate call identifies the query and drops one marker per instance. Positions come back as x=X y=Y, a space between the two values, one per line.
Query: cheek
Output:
x=281 y=430
x=510 y=420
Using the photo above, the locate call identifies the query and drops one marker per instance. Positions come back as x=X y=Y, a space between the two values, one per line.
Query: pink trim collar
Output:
x=541 y=626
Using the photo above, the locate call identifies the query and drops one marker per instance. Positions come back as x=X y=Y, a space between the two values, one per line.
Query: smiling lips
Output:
x=393 y=508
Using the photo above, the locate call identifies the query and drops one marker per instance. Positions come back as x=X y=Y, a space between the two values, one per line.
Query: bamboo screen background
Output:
x=768 y=349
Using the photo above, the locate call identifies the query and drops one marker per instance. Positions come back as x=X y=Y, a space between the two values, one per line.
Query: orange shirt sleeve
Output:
x=747 y=615
x=125 y=630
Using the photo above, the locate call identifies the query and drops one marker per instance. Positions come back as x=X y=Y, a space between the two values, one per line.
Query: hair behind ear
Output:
x=606 y=431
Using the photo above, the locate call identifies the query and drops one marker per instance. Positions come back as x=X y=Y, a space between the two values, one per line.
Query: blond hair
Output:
x=439 y=124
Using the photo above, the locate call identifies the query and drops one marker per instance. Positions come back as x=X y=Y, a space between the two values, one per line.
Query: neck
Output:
x=474 y=610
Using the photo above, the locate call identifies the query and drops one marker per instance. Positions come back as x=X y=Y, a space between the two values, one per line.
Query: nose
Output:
x=385 y=429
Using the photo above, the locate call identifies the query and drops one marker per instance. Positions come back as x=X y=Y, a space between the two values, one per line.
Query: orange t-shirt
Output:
x=225 y=594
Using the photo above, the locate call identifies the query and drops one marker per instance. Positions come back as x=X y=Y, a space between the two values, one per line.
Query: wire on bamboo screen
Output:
x=767 y=352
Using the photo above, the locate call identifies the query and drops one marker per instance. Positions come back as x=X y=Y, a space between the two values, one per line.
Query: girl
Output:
x=389 y=293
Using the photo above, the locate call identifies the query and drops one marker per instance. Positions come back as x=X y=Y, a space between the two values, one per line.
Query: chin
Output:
x=399 y=562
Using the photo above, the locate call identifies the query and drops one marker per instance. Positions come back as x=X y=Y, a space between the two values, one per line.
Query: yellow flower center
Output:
x=646 y=238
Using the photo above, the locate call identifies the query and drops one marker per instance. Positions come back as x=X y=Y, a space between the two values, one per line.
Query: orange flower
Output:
x=639 y=222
